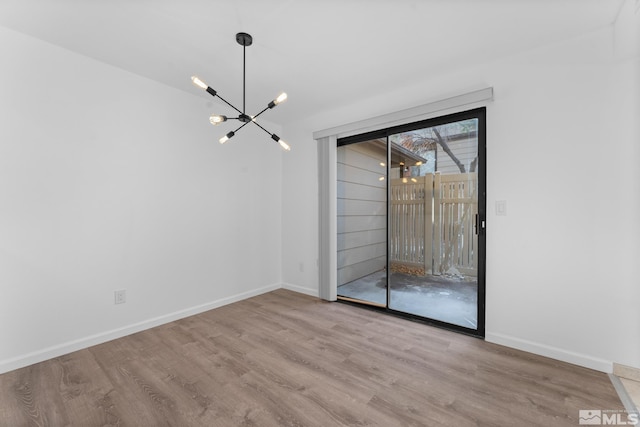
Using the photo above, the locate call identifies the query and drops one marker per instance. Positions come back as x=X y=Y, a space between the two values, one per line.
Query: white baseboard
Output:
x=583 y=360
x=82 y=343
x=302 y=290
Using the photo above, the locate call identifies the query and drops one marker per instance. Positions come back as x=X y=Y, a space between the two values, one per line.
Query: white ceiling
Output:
x=322 y=52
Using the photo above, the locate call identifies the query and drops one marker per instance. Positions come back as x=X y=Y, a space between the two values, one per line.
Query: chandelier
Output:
x=244 y=40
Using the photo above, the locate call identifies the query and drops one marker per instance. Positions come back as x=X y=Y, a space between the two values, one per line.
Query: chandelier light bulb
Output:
x=226 y=137
x=199 y=83
x=281 y=98
x=216 y=119
x=284 y=145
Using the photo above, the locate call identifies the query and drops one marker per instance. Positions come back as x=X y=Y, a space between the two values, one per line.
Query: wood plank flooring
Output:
x=286 y=359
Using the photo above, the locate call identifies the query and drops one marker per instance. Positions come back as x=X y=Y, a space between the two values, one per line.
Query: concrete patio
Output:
x=451 y=299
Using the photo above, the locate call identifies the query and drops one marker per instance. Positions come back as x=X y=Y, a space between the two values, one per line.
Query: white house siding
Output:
x=362 y=211
x=465 y=149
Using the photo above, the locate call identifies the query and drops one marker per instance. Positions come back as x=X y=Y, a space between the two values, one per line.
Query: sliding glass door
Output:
x=434 y=204
x=411 y=220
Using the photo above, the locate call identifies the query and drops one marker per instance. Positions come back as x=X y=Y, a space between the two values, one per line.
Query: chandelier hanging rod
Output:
x=244 y=71
x=245 y=40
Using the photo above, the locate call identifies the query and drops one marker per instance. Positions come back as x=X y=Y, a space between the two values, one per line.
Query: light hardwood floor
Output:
x=286 y=359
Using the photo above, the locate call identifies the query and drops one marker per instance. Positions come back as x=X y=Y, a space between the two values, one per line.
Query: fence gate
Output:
x=432 y=224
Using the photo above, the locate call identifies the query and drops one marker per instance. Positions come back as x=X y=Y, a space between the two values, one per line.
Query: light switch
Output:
x=501 y=207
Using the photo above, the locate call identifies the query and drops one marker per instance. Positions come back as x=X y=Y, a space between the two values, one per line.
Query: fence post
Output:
x=428 y=223
x=436 y=241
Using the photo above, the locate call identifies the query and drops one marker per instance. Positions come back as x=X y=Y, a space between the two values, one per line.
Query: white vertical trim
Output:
x=328 y=256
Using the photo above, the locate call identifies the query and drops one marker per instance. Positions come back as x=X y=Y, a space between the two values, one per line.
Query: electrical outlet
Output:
x=120 y=296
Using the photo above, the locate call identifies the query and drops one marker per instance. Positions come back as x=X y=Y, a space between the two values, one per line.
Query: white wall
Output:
x=562 y=266
x=112 y=181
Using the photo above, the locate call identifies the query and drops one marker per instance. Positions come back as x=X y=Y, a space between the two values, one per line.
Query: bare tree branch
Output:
x=447 y=150
x=474 y=164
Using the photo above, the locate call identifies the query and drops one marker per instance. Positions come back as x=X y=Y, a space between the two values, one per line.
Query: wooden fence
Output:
x=432 y=223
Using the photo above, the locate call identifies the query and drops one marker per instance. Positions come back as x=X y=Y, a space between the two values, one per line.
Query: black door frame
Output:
x=477 y=113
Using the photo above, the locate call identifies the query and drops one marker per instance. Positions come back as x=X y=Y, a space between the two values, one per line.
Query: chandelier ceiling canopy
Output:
x=244 y=40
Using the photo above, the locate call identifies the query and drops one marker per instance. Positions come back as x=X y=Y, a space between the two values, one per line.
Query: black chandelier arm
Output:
x=258 y=115
x=258 y=124
x=226 y=102
x=243 y=125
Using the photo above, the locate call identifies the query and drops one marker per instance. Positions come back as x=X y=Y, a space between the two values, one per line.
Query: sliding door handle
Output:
x=480 y=225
